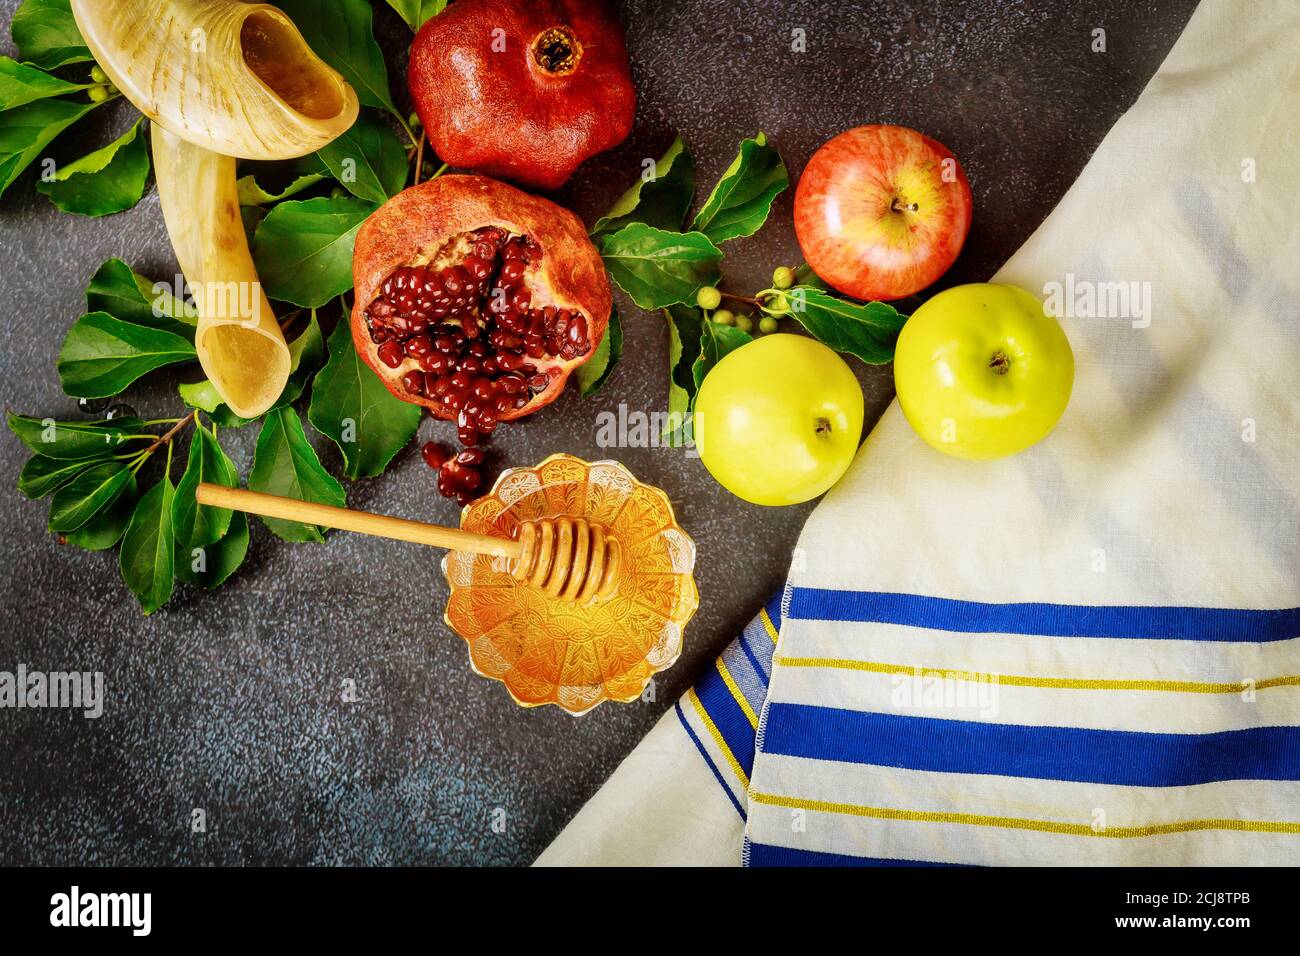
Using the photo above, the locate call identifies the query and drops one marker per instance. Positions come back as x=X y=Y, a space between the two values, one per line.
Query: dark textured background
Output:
x=231 y=701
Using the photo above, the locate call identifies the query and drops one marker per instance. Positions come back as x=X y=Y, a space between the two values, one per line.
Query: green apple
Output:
x=982 y=371
x=778 y=420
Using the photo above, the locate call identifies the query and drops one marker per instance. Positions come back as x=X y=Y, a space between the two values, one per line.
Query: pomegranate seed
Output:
x=434 y=456
x=413 y=382
x=418 y=345
x=435 y=362
x=391 y=353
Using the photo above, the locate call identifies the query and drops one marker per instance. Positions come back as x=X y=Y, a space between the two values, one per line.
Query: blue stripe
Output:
x=759 y=669
x=1121 y=757
x=764 y=854
x=708 y=760
x=727 y=716
x=1055 y=620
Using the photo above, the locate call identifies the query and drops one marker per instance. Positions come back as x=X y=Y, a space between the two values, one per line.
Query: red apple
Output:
x=882 y=211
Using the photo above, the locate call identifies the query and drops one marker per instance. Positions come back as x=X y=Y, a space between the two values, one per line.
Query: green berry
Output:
x=744 y=323
x=768 y=324
x=338 y=192
x=97 y=75
x=97 y=94
x=413 y=121
x=708 y=297
x=724 y=317
x=778 y=302
x=782 y=277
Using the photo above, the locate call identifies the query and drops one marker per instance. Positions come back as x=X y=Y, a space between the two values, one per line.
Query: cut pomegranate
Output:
x=475 y=300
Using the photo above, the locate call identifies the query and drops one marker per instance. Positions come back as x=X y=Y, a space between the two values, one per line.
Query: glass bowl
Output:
x=574 y=656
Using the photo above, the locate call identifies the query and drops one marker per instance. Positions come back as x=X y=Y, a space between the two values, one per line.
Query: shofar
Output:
x=220 y=79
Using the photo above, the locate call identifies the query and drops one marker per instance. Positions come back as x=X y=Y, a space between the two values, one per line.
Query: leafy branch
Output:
x=302 y=217
x=661 y=263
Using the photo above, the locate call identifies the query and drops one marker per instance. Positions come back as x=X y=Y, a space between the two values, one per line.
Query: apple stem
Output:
x=897 y=206
x=740 y=298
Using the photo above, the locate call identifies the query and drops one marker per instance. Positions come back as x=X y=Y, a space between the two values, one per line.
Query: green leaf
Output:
x=658 y=268
x=197 y=525
x=661 y=201
x=204 y=395
x=27 y=130
x=20 y=83
x=124 y=294
x=351 y=405
x=303 y=250
x=42 y=475
x=683 y=349
x=306 y=353
x=416 y=12
x=87 y=494
x=251 y=217
x=252 y=194
x=102 y=355
x=79 y=440
x=741 y=201
x=148 y=550
x=104 y=182
x=212 y=565
x=716 y=343
x=369 y=159
x=593 y=373
x=284 y=463
x=868 y=330
x=46 y=34
x=106 y=529
x=341 y=35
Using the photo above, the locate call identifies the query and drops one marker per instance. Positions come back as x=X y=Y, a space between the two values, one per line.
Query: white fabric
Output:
x=662 y=806
x=1173 y=479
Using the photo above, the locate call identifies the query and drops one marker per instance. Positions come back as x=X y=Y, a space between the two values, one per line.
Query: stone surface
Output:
x=231 y=702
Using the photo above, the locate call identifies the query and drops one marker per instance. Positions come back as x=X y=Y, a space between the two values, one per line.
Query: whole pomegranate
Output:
x=522 y=89
x=475 y=300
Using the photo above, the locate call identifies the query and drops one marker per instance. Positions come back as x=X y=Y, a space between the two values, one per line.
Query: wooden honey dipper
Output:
x=570 y=559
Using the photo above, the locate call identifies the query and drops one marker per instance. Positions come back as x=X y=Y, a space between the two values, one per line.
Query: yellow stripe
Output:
x=1064 y=683
x=1020 y=823
x=735 y=692
x=716 y=734
x=767 y=624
